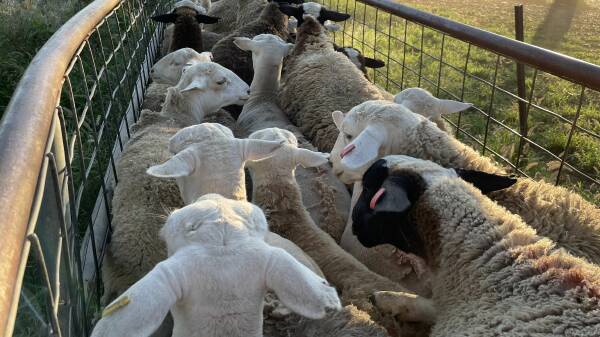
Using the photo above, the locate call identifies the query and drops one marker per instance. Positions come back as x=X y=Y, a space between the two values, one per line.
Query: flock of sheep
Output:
x=433 y=239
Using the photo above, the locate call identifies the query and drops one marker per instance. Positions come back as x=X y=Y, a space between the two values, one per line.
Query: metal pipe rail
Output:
x=564 y=66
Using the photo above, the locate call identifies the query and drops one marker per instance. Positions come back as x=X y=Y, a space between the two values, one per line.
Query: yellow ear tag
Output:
x=118 y=304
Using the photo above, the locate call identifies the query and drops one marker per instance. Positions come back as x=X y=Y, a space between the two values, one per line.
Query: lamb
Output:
x=168 y=69
x=377 y=128
x=359 y=60
x=317 y=80
x=422 y=102
x=140 y=201
x=327 y=197
x=187 y=18
x=217 y=273
x=270 y=21
x=493 y=274
x=278 y=194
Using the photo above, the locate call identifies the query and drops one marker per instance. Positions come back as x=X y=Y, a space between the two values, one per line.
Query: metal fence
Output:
x=548 y=129
x=67 y=122
x=71 y=115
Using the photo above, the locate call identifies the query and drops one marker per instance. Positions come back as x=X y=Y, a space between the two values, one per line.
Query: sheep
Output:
x=327 y=197
x=270 y=21
x=168 y=69
x=317 y=80
x=493 y=274
x=187 y=17
x=226 y=10
x=249 y=10
x=422 y=102
x=358 y=59
x=377 y=128
x=214 y=280
x=278 y=194
x=140 y=200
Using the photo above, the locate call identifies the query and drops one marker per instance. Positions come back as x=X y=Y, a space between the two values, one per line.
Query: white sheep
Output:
x=422 y=102
x=493 y=275
x=317 y=80
x=327 y=197
x=218 y=271
x=168 y=69
x=278 y=194
x=378 y=128
x=140 y=201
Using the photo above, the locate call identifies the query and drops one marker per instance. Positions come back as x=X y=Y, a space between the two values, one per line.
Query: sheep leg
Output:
x=405 y=306
x=417 y=263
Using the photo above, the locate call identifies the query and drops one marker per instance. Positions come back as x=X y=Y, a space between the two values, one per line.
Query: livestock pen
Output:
x=71 y=115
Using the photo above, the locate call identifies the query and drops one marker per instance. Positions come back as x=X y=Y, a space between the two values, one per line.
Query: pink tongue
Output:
x=376 y=198
x=347 y=150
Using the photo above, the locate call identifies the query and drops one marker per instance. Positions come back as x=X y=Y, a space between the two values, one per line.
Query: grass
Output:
x=573 y=31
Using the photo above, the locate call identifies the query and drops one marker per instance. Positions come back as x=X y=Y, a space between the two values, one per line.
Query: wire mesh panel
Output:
x=101 y=97
x=555 y=137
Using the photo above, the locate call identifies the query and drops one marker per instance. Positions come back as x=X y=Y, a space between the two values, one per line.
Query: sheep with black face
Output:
x=492 y=274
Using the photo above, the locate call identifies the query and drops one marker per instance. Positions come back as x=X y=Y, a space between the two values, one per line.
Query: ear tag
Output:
x=347 y=150
x=376 y=198
x=118 y=304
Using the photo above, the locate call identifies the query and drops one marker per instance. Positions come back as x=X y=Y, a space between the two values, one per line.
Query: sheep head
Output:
x=169 y=68
x=359 y=60
x=283 y=163
x=267 y=49
x=391 y=188
x=215 y=220
x=208 y=159
x=204 y=88
x=314 y=10
x=422 y=102
x=189 y=9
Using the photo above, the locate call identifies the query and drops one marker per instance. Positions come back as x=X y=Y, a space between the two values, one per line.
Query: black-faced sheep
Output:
x=492 y=274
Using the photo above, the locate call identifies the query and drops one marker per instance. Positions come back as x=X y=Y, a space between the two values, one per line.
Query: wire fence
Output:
x=101 y=97
x=57 y=218
x=550 y=130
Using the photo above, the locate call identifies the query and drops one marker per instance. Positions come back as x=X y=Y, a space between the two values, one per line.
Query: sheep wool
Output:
x=493 y=275
x=317 y=80
x=215 y=243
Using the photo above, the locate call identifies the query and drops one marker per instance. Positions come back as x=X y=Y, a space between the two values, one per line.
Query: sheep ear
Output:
x=201 y=18
x=308 y=158
x=289 y=10
x=243 y=43
x=333 y=16
x=197 y=84
x=165 y=18
x=486 y=182
x=373 y=63
x=338 y=118
x=254 y=149
x=180 y=165
x=447 y=106
x=364 y=149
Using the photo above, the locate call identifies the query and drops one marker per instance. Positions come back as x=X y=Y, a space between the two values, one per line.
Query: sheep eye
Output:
x=222 y=81
x=348 y=137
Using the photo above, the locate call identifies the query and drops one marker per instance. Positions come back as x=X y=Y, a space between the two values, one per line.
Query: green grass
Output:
x=580 y=37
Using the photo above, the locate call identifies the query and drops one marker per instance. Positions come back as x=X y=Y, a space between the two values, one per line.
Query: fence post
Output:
x=519 y=35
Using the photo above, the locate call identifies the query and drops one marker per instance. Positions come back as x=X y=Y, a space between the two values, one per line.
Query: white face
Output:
x=267 y=49
x=212 y=86
x=311 y=9
x=168 y=69
x=368 y=132
x=210 y=161
x=353 y=56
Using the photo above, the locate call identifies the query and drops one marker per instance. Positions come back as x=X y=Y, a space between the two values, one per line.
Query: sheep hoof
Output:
x=405 y=306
